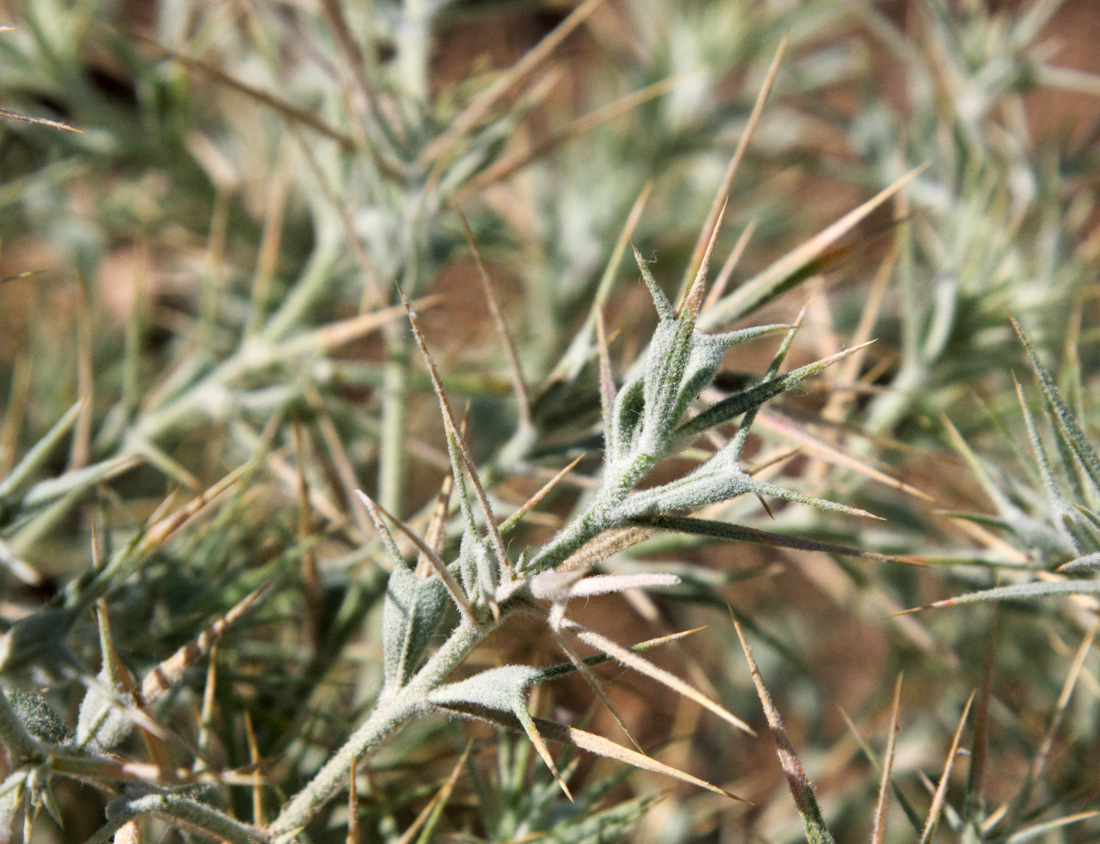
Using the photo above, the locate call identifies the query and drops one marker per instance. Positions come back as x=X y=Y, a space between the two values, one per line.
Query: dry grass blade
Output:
x=941 y=789
x=453 y=589
x=693 y=299
x=291 y=112
x=724 y=274
x=519 y=386
x=722 y=196
x=1042 y=755
x=607 y=377
x=515 y=161
x=594 y=684
x=336 y=334
x=311 y=576
x=878 y=830
x=435 y=535
x=591 y=742
x=839 y=402
x=164 y=676
x=163 y=527
x=644 y=666
x=769 y=283
x=480 y=107
x=432 y=811
x=816 y=830
x=38 y=121
x=353 y=804
x=532 y=502
x=455 y=435
x=822 y=450
x=258 y=814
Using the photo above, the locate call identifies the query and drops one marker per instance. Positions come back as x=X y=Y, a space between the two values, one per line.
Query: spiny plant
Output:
x=273 y=169
x=646 y=421
x=1054 y=524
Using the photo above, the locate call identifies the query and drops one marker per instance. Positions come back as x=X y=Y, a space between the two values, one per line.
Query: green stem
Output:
x=185 y=813
x=395 y=392
x=390 y=714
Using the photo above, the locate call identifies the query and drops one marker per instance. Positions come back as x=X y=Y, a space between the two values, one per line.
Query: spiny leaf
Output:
x=513 y=520
x=693 y=299
x=1018 y=592
x=664 y=307
x=816 y=830
x=724 y=274
x=588 y=741
x=594 y=684
x=453 y=589
x=762 y=488
x=1089 y=562
x=555 y=671
x=454 y=435
x=754 y=397
x=502 y=689
x=40 y=452
x=644 y=666
x=1067 y=421
x=742 y=533
x=411 y=611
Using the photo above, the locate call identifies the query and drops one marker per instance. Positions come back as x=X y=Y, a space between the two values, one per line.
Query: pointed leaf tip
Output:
x=660 y=301
x=694 y=297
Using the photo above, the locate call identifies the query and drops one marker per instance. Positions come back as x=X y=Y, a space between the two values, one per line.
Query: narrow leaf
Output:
x=644 y=666
x=941 y=790
x=588 y=741
x=660 y=301
x=816 y=830
x=1067 y=421
x=878 y=830
x=742 y=533
x=754 y=397
x=1018 y=592
x=776 y=279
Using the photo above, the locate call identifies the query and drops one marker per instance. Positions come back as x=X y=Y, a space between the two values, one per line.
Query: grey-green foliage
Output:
x=997 y=220
x=1055 y=522
x=410 y=614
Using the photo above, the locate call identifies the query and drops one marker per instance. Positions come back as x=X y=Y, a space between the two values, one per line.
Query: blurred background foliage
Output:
x=199 y=285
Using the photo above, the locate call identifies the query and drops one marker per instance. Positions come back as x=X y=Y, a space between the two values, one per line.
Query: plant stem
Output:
x=390 y=714
x=395 y=390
